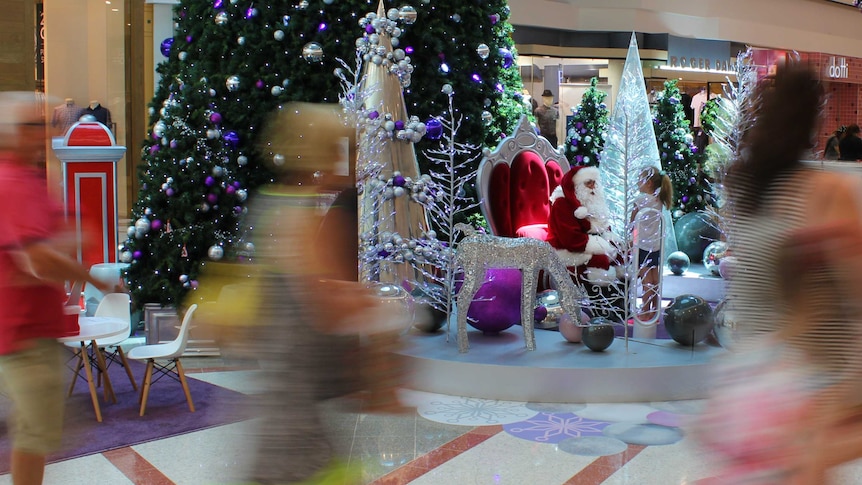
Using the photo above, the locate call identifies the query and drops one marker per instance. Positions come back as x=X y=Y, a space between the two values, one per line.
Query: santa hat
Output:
x=584 y=173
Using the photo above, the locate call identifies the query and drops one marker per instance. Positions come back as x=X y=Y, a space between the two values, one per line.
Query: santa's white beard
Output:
x=597 y=206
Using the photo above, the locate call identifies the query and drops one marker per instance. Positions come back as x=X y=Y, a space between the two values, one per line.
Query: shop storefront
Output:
x=842 y=82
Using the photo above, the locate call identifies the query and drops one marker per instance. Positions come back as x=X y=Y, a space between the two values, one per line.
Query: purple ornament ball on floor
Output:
x=497 y=304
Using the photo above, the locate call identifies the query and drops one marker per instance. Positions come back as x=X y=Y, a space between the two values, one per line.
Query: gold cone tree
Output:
x=393 y=223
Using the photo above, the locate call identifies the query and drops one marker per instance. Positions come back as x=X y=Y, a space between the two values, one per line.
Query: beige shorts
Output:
x=33 y=381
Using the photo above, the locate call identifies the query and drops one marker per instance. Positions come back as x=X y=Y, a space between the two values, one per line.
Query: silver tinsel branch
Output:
x=449 y=200
x=734 y=117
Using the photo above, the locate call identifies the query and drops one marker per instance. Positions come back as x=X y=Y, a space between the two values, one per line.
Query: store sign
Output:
x=699 y=63
x=837 y=68
x=708 y=55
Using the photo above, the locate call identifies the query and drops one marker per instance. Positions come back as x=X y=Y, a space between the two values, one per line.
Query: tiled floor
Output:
x=448 y=440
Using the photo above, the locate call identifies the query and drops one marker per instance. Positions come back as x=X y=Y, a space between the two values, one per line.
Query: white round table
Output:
x=91 y=330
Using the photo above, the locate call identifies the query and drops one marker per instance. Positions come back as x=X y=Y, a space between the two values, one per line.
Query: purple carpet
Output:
x=167 y=415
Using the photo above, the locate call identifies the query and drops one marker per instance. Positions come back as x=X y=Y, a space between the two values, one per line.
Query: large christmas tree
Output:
x=585 y=131
x=690 y=184
x=231 y=62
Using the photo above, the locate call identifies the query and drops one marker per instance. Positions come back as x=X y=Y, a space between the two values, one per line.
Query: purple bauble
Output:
x=232 y=138
x=399 y=125
x=156 y=224
x=189 y=39
x=433 y=129
x=154 y=149
x=236 y=184
x=497 y=304
x=165 y=46
x=173 y=144
x=373 y=115
x=215 y=117
x=369 y=29
x=137 y=255
x=169 y=192
x=209 y=181
x=540 y=313
x=259 y=84
x=398 y=181
x=217 y=4
x=230 y=189
x=212 y=198
x=508 y=58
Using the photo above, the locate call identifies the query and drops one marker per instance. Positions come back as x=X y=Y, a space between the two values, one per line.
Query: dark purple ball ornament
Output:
x=215 y=117
x=433 y=129
x=165 y=46
x=399 y=125
x=209 y=182
x=508 y=58
x=399 y=181
x=232 y=138
x=156 y=225
x=137 y=255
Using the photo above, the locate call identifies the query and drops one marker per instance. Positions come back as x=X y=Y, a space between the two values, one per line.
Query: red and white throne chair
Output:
x=515 y=181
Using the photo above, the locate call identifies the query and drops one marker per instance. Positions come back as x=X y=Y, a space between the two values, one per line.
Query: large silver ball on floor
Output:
x=550 y=301
x=396 y=304
x=678 y=262
x=713 y=255
x=688 y=319
x=598 y=335
x=726 y=328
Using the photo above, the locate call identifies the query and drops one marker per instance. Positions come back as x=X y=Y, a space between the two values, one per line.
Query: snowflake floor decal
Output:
x=555 y=427
x=468 y=411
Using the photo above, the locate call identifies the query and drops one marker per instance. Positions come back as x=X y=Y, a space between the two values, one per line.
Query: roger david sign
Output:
x=837 y=68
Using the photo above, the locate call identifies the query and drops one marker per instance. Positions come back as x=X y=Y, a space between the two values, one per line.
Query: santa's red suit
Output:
x=578 y=226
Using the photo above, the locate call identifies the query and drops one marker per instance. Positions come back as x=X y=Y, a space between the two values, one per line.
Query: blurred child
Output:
x=656 y=192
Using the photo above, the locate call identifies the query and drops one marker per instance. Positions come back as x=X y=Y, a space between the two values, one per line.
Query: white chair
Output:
x=113 y=305
x=170 y=351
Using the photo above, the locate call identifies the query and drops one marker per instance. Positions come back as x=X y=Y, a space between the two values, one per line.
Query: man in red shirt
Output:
x=33 y=269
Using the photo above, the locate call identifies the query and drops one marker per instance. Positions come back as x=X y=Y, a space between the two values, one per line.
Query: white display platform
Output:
x=695 y=281
x=500 y=367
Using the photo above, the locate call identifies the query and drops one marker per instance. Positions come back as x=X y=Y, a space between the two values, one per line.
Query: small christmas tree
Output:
x=585 y=138
x=679 y=157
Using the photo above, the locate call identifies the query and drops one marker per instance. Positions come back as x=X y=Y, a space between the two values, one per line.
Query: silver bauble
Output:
x=241 y=160
x=278 y=159
x=712 y=256
x=276 y=90
x=550 y=300
x=407 y=14
x=303 y=5
x=232 y=83
x=395 y=304
x=726 y=328
x=126 y=257
x=142 y=225
x=278 y=35
x=483 y=50
x=215 y=252
x=312 y=52
x=221 y=18
x=240 y=40
x=183 y=55
x=487 y=117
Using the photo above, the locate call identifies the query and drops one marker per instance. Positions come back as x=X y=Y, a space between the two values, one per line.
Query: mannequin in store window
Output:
x=698 y=101
x=66 y=115
x=98 y=111
x=547 y=116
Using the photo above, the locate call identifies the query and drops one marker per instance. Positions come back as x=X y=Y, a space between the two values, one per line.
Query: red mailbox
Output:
x=89 y=154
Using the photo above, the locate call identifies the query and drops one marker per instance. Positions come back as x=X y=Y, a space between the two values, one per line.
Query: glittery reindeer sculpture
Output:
x=477 y=252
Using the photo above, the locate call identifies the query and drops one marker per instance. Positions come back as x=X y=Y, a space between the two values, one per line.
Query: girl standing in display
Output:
x=656 y=193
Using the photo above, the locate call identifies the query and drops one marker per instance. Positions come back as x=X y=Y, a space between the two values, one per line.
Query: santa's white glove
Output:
x=581 y=212
x=600 y=245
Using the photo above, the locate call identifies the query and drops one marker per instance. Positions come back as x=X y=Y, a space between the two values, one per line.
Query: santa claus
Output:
x=579 y=226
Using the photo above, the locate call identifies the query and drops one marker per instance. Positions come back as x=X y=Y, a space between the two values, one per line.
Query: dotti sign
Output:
x=837 y=68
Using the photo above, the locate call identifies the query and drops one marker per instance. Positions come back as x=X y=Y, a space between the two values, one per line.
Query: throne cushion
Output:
x=519 y=196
